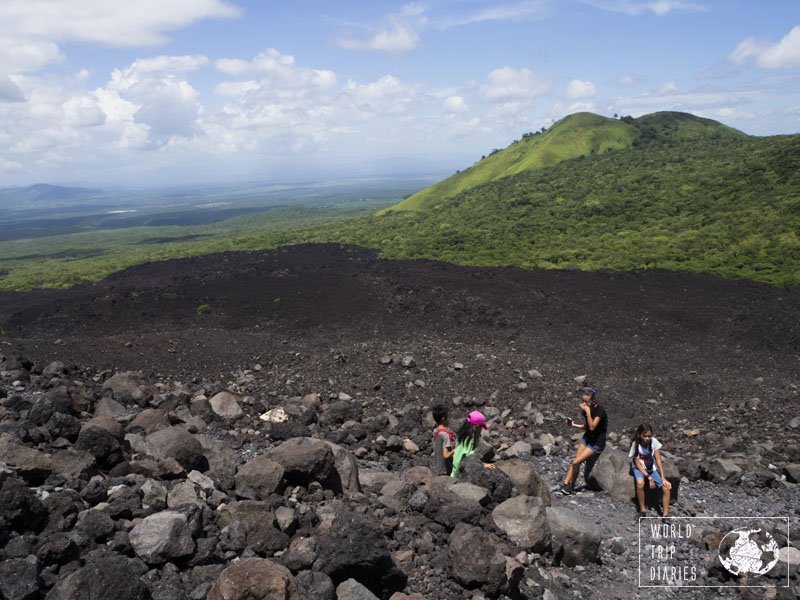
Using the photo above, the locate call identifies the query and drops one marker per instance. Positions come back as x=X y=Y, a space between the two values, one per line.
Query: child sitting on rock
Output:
x=444 y=442
x=646 y=465
x=467 y=440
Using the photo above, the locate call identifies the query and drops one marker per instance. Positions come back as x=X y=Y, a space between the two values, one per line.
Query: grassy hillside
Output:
x=687 y=194
x=581 y=134
x=667 y=190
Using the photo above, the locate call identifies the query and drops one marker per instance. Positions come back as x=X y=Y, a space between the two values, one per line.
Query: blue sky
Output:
x=193 y=91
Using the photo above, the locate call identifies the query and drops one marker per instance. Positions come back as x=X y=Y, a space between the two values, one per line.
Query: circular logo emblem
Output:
x=748 y=551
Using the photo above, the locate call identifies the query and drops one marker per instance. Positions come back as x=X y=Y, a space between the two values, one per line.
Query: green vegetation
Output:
x=62 y=261
x=667 y=190
x=203 y=309
x=688 y=194
x=581 y=134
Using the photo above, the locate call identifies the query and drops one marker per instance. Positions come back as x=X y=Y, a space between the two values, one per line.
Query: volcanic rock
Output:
x=161 y=537
x=258 y=478
x=226 y=406
x=575 y=540
x=524 y=521
x=177 y=443
x=354 y=547
x=474 y=560
x=254 y=579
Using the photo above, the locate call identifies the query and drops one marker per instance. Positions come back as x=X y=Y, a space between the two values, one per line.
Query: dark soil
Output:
x=713 y=364
x=660 y=346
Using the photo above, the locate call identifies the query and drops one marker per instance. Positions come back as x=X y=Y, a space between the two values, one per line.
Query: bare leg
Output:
x=640 y=493
x=665 y=503
x=581 y=455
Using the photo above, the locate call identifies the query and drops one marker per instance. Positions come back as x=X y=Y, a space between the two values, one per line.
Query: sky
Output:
x=174 y=92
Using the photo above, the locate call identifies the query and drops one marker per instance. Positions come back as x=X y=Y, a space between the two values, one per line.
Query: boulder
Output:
x=418 y=475
x=315 y=585
x=105 y=575
x=475 y=561
x=254 y=579
x=526 y=479
x=340 y=411
x=354 y=548
x=177 y=443
x=575 y=540
x=495 y=480
x=20 y=508
x=352 y=590
x=450 y=509
x=149 y=420
x=102 y=445
x=611 y=474
x=54 y=369
x=74 y=463
x=222 y=461
x=256 y=522
x=96 y=524
x=524 y=521
x=258 y=478
x=162 y=537
x=128 y=387
x=722 y=470
x=154 y=495
x=32 y=465
x=108 y=407
x=226 y=406
x=104 y=422
x=470 y=491
x=182 y=493
x=19 y=578
x=301 y=554
x=304 y=460
x=63 y=425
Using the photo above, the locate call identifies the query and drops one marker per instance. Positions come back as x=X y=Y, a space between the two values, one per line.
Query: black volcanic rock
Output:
x=105 y=575
x=354 y=548
x=19 y=505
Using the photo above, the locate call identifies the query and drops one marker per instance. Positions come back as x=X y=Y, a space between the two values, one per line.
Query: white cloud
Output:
x=277 y=67
x=529 y=9
x=581 y=89
x=396 y=37
x=508 y=84
x=139 y=23
x=564 y=108
x=455 y=104
x=638 y=7
x=626 y=80
x=781 y=55
x=668 y=87
x=32 y=29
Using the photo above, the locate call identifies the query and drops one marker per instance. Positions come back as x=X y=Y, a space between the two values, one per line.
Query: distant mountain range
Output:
x=42 y=195
x=666 y=190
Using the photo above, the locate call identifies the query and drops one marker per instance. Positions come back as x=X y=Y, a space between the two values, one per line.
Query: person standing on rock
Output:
x=595 y=426
x=444 y=441
x=646 y=465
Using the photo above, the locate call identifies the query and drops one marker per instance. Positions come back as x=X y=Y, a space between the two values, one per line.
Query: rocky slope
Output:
x=277 y=443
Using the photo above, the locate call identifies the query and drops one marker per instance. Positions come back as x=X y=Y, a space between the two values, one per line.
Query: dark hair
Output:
x=439 y=413
x=469 y=431
x=641 y=430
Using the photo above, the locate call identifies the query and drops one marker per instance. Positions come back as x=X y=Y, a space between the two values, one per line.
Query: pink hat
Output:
x=476 y=418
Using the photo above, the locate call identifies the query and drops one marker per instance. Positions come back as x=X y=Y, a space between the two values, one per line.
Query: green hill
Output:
x=580 y=134
x=667 y=190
